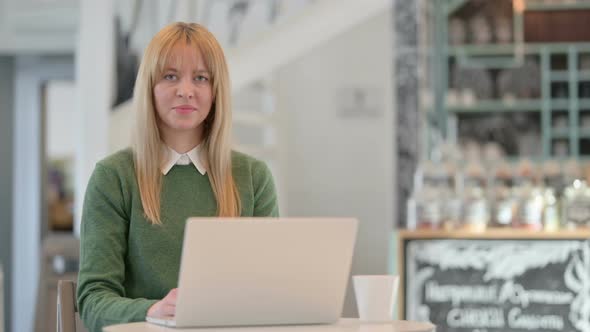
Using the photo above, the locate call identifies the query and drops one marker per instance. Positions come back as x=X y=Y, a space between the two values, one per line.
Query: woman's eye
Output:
x=170 y=77
x=201 y=78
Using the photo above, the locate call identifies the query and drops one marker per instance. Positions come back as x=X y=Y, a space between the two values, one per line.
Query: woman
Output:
x=180 y=165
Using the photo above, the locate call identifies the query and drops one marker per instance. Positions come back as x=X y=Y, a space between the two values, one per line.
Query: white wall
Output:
x=95 y=67
x=38 y=26
x=343 y=166
x=61 y=110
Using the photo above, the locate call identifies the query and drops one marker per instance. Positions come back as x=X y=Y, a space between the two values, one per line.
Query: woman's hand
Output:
x=166 y=307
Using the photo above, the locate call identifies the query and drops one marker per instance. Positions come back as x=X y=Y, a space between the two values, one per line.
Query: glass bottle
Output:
x=551 y=219
x=552 y=177
x=429 y=214
x=531 y=209
x=504 y=204
x=576 y=205
x=450 y=200
x=572 y=171
x=476 y=210
x=530 y=196
x=428 y=205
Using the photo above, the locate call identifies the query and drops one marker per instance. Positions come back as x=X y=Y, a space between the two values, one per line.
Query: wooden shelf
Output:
x=559 y=62
x=559 y=76
x=571 y=5
x=523 y=105
x=509 y=49
x=494 y=233
x=454 y=5
x=563 y=75
x=560 y=104
x=520 y=105
x=560 y=134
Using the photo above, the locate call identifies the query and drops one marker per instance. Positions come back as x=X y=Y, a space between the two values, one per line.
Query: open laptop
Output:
x=263 y=271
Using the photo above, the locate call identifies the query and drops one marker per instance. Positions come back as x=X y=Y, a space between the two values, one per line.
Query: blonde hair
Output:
x=147 y=143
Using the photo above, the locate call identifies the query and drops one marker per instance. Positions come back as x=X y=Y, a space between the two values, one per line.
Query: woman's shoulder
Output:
x=242 y=160
x=119 y=161
x=246 y=165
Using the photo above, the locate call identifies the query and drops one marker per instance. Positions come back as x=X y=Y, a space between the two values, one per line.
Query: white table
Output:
x=344 y=325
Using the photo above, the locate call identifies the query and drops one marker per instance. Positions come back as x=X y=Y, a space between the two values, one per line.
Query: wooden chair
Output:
x=68 y=319
x=1 y=300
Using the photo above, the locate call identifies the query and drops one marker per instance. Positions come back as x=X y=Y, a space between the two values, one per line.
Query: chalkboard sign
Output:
x=488 y=285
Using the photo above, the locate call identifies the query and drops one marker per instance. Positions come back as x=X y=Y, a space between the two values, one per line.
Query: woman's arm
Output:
x=103 y=246
x=265 y=195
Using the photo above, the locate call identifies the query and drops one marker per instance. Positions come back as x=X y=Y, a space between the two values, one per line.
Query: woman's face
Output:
x=182 y=94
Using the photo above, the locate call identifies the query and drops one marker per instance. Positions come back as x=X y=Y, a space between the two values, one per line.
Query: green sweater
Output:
x=126 y=263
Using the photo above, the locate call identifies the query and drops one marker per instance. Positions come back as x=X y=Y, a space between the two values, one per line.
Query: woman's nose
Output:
x=185 y=90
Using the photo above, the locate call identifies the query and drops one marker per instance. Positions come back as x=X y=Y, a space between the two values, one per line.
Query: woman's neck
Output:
x=182 y=142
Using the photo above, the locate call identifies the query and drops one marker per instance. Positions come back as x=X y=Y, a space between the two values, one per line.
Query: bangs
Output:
x=191 y=38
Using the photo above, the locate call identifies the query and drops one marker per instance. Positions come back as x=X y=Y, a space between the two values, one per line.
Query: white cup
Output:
x=375 y=296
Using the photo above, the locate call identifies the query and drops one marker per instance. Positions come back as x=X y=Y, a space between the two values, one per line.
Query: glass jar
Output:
x=552 y=177
x=551 y=219
x=476 y=208
x=428 y=209
x=476 y=211
x=505 y=207
x=502 y=197
x=427 y=199
x=450 y=200
x=576 y=205
x=531 y=209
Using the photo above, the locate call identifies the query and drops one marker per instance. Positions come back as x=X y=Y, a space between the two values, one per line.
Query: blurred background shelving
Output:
x=507 y=67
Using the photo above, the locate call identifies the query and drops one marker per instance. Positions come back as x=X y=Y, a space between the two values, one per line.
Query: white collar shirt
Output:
x=194 y=156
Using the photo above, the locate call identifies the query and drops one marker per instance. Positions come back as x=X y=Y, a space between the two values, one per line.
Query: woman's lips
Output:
x=184 y=109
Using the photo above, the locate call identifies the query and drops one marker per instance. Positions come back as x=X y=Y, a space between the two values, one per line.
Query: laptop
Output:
x=263 y=271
